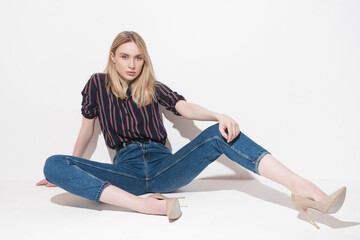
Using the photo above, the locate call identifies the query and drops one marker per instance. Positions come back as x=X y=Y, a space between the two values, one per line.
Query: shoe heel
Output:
x=173 y=210
x=304 y=211
x=330 y=204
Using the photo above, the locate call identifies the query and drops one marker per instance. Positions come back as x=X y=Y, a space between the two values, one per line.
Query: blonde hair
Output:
x=142 y=88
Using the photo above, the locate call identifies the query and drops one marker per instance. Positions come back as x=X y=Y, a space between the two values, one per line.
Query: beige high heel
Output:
x=330 y=204
x=173 y=210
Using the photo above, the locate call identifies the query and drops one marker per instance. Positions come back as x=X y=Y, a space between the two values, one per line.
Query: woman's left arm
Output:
x=195 y=112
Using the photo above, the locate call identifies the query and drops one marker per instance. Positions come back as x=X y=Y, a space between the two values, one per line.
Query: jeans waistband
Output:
x=141 y=140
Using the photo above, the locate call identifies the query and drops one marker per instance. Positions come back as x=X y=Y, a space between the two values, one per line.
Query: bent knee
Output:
x=213 y=130
x=52 y=164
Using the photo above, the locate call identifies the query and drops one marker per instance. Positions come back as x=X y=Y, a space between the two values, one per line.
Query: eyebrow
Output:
x=128 y=54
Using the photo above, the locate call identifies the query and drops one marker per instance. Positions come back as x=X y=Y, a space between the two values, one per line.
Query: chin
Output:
x=128 y=78
x=131 y=79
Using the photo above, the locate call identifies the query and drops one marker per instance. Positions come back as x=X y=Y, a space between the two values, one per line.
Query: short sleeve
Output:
x=167 y=97
x=89 y=105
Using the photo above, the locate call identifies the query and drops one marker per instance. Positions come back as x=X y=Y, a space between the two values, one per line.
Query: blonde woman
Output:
x=125 y=100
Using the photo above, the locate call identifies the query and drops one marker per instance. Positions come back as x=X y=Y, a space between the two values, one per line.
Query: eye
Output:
x=139 y=58
x=124 y=57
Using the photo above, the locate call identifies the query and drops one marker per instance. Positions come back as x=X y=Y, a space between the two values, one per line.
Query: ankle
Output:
x=305 y=188
x=153 y=206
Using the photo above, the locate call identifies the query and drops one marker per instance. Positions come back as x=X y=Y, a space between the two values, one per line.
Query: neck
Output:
x=125 y=84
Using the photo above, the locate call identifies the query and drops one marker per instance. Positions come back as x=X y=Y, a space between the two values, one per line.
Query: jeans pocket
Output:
x=116 y=156
x=124 y=153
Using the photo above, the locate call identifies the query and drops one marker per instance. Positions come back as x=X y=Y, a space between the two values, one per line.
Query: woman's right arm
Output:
x=85 y=135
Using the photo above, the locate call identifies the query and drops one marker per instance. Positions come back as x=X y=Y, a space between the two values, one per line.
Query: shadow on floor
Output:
x=248 y=186
x=241 y=180
x=256 y=189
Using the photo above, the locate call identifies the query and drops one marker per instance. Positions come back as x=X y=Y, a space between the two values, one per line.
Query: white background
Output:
x=287 y=71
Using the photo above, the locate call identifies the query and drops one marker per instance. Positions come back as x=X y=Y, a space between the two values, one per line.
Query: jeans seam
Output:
x=254 y=161
x=236 y=150
x=260 y=155
x=193 y=149
x=102 y=187
x=82 y=170
x=107 y=170
x=115 y=156
x=103 y=183
x=146 y=170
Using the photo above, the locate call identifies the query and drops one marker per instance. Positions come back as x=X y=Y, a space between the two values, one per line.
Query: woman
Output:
x=125 y=99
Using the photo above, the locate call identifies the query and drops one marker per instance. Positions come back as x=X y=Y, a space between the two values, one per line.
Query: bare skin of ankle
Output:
x=154 y=206
x=305 y=188
x=118 y=197
x=272 y=169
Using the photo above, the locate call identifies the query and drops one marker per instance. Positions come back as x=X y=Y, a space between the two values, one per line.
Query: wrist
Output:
x=218 y=116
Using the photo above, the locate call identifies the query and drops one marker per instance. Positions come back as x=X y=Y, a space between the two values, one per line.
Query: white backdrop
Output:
x=287 y=71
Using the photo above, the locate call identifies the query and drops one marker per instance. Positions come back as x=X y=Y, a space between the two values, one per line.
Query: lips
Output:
x=130 y=73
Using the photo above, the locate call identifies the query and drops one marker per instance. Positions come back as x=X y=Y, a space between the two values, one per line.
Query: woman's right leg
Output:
x=118 y=197
x=93 y=180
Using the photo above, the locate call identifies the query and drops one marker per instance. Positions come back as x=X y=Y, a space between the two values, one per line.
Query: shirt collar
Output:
x=128 y=91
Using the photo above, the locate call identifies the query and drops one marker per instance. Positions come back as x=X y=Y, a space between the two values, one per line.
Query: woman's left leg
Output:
x=177 y=170
x=272 y=169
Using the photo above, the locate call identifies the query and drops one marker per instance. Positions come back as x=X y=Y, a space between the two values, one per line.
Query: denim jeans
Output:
x=140 y=168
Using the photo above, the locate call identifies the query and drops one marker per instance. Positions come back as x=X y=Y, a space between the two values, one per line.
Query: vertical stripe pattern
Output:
x=121 y=120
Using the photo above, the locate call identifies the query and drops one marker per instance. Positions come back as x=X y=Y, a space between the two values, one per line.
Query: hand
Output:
x=46 y=183
x=233 y=129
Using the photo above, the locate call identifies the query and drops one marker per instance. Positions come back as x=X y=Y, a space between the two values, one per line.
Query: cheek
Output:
x=140 y=66
x=120 y=67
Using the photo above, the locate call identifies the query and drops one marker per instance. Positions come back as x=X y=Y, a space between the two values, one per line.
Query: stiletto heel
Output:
x=330 y=204
x=304 y=211
x=173 y=210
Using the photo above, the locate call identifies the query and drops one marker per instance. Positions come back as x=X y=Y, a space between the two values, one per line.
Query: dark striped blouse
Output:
x=121 y=120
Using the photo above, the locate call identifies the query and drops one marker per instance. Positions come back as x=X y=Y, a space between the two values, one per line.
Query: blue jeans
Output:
x=140 y=168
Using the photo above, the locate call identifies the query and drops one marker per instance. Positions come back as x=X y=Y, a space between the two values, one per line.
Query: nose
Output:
x=132 y=64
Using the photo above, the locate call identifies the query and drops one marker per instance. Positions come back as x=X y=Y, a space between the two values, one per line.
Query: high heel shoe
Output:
x=173 y=210
x=330 y=204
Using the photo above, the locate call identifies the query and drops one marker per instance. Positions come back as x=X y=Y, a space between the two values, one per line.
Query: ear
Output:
x=112 y=57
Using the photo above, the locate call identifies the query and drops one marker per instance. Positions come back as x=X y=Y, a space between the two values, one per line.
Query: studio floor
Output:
x=214 y=208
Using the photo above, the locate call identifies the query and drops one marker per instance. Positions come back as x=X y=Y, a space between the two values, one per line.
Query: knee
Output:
x=52 y=164
x=213 y=130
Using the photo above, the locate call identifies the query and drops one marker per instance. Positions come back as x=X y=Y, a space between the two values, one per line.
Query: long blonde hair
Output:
x=142 y=88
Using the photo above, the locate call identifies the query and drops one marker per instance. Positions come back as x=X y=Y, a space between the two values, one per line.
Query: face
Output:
x=128 y=61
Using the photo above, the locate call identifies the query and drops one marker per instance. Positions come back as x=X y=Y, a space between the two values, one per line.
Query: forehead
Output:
x=129 y=48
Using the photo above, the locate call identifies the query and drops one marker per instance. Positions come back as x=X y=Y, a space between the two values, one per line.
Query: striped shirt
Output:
x=122 y=120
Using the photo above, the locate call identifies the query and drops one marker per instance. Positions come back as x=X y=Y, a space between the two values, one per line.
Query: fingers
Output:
x=46 y=183
x=232 y=127
x=231 y=133
x=222 y=131
x=233 y=130
x=42 y=182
